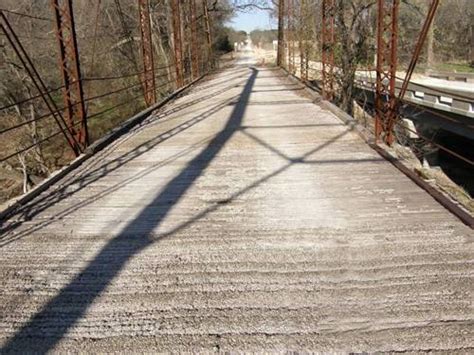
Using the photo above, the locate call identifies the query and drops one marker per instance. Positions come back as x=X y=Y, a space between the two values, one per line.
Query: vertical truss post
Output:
x=208 y=31
x=387 y=43
x=178 y=45
x=149 y=87
x=281 y=35
x=73 y=94
x=328 y=43
x=194 y=42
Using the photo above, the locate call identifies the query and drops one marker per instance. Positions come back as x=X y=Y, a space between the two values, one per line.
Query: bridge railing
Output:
x=321 y=55
x=72 y=71
x=449 y=100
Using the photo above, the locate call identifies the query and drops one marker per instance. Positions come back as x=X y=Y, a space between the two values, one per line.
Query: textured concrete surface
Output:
x=240 y=217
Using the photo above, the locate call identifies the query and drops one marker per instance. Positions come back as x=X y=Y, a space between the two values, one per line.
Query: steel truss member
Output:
x=73 y=94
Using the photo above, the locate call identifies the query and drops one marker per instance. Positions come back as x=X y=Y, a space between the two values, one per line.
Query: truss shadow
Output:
x=30 y=210
x=49 y=325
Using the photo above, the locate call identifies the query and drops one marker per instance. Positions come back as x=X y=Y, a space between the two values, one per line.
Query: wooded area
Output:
x=110 y=56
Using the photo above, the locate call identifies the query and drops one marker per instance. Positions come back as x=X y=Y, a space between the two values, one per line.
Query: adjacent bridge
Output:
x=241 y=216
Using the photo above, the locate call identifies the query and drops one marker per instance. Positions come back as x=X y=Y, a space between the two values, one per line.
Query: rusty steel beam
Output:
x=387 y=103
x=149 y=86
x=328 y=44
x=387 y=43
x=73 y=94
x=194 y=42
x=38 y=83
x=281 y=33
x=177 y=42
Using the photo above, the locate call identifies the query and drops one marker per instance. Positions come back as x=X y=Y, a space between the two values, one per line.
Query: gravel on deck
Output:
x=240 y=217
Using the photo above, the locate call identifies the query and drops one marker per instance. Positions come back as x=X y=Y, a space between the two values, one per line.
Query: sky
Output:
x=252 y=20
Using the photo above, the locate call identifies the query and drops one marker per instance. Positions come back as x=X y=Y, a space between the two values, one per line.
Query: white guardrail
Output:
x=448 y=99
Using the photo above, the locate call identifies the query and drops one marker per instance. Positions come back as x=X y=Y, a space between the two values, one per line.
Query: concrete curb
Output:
x=442 y=198
x=11 y=206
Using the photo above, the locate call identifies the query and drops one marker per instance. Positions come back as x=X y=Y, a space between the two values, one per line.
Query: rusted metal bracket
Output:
x=328 y=44
x=149 y=86
x=38 y=82
x=73 y=94
x=177 y=39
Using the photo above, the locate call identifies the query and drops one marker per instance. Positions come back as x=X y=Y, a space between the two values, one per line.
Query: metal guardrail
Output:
x=464 y=77
x=449 y=100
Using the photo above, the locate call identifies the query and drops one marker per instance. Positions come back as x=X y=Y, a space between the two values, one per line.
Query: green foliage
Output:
x=236 y=36
x=226 y=37
x=455 y=67
x=222 y=44
x=263 y=36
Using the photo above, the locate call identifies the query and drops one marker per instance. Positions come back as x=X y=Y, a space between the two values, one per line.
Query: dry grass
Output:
x=436 y=177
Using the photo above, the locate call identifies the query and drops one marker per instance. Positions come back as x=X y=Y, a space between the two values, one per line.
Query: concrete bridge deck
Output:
x=240 y=217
